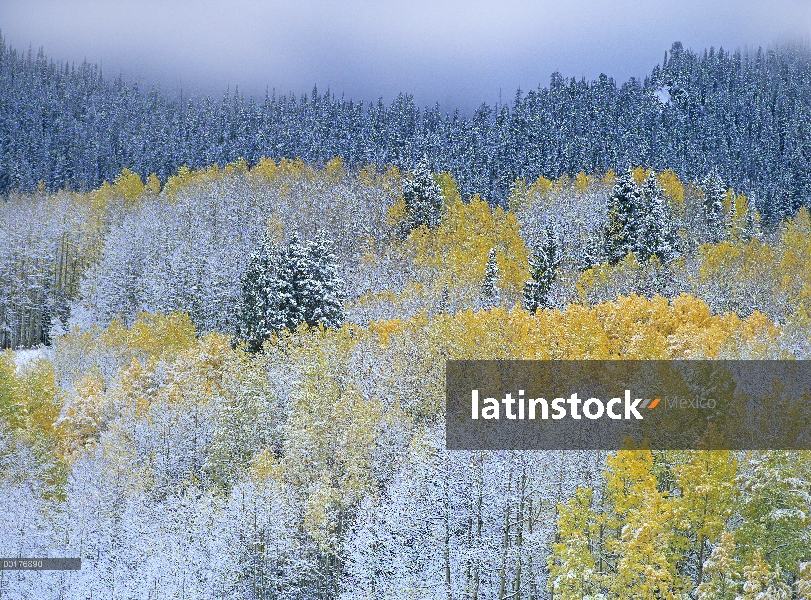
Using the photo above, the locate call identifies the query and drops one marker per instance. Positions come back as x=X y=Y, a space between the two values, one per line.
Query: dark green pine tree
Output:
x=656 y=232
x=621 y=233
x=423 y=198
x=489 y=287
x=321 y=289
x=283 y=289
x=750 y=228
x=253 y=326
x=543 y=266
x=714 y=214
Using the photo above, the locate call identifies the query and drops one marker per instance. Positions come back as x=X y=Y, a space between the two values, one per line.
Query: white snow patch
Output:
x=24 y=357
x=663 y=94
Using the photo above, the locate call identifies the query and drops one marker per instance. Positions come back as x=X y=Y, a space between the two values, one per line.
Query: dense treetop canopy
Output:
x=748 y=115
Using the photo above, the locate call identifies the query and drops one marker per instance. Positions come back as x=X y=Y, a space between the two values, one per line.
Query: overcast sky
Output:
x=457 y=53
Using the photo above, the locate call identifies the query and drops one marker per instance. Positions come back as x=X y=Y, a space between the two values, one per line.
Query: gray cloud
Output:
x=458 y=53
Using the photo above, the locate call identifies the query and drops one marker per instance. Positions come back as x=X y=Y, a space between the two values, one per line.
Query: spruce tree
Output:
x=714 y=215
x=321 y=290
x=253 y=326
x=622 y=222
x=656 y=235
x=423 y=198
x=589 y=253
x=489 y=288
x=281 y=290
x=750 y=226
x=543 y=265
x=445 y=299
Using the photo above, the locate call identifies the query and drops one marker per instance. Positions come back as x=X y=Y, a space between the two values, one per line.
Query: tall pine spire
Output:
x=543 y=266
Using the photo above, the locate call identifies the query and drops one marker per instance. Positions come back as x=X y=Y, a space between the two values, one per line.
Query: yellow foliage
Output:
x=609 y=179
x=521 y=195
x=540 y=186
x=9 y=411
x=154 y=337
x=390 y=180
x=39 y=398
x=605 y=281
x=396 y=213
x=264 y=466
x=794 y=267
x=177 y=182
x=153 y=184
x=456 y=252
x=129 y=185
x=674 y=190
x=239 y=166
x=630 y=327
x=30 y=402
x=334 y=170
x=449 y=188
x=83 y=416
x=707 y=483
x=157 y=335
x=640 y=174
x=518 y=194
x=581 y=182
x=737 y=275
x=187 y=178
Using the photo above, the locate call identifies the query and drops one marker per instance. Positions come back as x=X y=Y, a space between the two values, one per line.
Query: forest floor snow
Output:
x=24 y=357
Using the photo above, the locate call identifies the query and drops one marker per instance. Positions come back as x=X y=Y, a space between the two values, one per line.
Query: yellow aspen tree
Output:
x=708 y=491
x=722 y=572
x=803 y=583
x=762 y=582
x=642 y=549
x=573 y=570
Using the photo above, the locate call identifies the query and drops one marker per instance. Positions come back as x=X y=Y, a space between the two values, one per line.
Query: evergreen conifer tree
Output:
x=543 y=266
x=489 y=288
x=622 y=223
x=714 y=215
x=281 y=290
x=445 y=299
x=750 y=228
x=423 y=198
x=656 y=234
x=252 y=318
x=321 y=290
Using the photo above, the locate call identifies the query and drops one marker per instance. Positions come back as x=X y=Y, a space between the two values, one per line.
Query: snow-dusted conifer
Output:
x=489 y=287
x=622 y=222
x=445 y=299
x=750 y=227
x=543 y=265
x=423 y=198
x=656 y=235
x=299 y=284
x=253 y=326
x=714 y=214
x=321 y=291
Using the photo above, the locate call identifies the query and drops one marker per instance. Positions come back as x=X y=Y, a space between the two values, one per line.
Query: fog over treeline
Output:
x=745 y=114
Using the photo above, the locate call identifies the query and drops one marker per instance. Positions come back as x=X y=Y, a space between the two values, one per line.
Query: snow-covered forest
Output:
x=244 y=311
x=745 y=113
